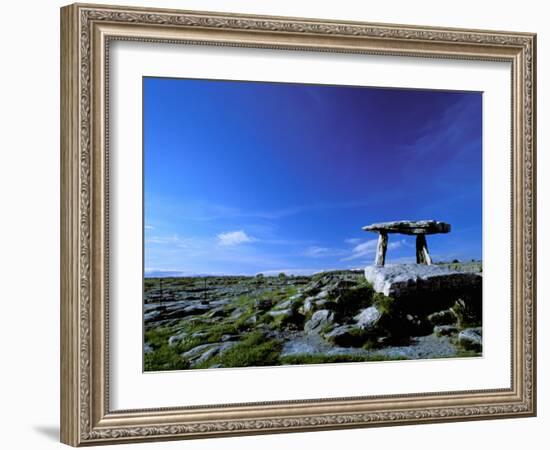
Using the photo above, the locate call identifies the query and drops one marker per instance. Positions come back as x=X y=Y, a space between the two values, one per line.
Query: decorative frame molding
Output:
x=86 y=31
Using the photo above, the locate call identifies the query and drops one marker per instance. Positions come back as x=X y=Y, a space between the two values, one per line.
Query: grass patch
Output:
x=323 y=359
x=254 y=350
x=165 y=358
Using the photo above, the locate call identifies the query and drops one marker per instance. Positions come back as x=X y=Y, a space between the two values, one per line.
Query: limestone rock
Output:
x=201 y=353
x=346 y=336
x=395 y=280
x=471 y=339
x=368 y=318
x=410 y=227
x=177 y=338
x=319 y=320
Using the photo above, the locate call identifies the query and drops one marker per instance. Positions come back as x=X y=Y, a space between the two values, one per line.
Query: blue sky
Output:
x=248 y=177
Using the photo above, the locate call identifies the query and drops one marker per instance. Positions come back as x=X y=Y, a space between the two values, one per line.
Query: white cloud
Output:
x=232 y=238
x=369 y=248
x=353 y=241
x=149 y=227
x=316 y=252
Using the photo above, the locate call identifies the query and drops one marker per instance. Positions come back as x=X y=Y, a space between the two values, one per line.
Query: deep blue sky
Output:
x=248 y=177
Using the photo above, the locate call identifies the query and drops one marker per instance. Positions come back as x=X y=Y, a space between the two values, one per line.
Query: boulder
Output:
x=397 y=280
x=202 y=353
x=346 y=336
x=471 y=339
x=368 y=318
x=319 y=320
x=312 y=304
x=308 y=306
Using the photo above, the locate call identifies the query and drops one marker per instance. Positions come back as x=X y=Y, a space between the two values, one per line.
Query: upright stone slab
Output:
x=381 y=249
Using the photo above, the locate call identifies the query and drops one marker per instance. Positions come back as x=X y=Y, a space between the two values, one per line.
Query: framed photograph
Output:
x=276 y=224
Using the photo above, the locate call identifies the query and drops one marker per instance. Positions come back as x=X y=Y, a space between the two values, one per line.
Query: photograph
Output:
x=293 y=224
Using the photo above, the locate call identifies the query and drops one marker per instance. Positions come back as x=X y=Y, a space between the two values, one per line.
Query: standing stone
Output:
x=422 y=254
x=381 y=249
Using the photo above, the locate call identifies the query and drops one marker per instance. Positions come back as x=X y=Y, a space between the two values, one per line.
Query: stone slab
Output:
x=396 y=280
x=410 y=227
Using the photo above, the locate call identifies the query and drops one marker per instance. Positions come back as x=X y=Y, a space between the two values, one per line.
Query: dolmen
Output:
x=419 y=228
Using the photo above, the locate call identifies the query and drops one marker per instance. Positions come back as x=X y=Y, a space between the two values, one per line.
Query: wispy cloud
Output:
x=317 y=252
x=232 y=238
x=369 y=248
x=352 y=241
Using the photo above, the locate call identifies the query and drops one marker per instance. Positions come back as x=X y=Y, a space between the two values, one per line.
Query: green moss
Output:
x=254 y=350
x=158 y=337
x=165 y=358
x=383 y=302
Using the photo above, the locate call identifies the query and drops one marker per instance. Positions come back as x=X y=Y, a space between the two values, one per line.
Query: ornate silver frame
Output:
x=86 y=31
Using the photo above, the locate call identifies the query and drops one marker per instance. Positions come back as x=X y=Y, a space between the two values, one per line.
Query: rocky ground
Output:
x=209 y=322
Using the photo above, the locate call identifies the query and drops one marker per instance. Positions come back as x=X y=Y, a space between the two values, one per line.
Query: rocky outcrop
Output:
x=431 y=311
x=319 y=320
x=401 y=280
x=204 y=352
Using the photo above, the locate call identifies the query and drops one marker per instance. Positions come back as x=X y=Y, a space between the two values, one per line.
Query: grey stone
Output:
x=319 y=320
x=229 y=337
x=471 y=339
x=308 y=306
x=346 y=336
x=280 y=312
x=368 y=318
x=197 y=351
x=177 y=338
x=322 y=294
x=312 y=304
x=218 y=350
x=410 y=227
x=199 y=334
x=396 y=280
x=284 y=304
x=251 y=320
x=201 y=353
x=445 y=330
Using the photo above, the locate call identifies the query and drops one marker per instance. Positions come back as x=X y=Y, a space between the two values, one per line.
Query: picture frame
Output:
x=87 y=32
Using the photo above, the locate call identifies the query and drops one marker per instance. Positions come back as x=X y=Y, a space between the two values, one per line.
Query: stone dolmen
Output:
x=418 y=228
